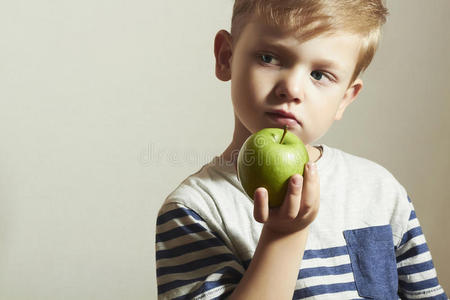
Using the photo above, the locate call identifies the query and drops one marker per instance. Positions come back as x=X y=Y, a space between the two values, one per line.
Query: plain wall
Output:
x=106 y=106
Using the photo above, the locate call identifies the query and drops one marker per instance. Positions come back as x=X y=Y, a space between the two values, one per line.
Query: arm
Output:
x=192 y=260
x=274 y=269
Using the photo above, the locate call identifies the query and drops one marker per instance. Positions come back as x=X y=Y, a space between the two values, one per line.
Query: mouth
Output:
x=283 y=118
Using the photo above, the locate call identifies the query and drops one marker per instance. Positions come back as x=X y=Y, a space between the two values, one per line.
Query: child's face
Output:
x=272 y=70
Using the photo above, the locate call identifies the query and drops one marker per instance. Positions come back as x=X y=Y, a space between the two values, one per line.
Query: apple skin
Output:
x=264 y=162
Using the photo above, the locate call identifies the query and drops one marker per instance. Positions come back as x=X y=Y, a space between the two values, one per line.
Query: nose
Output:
x=291 y=86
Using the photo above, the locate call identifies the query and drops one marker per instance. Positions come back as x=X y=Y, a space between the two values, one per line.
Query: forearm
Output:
x=273 y=271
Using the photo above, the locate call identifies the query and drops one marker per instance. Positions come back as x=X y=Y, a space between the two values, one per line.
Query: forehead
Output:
x=258 y=31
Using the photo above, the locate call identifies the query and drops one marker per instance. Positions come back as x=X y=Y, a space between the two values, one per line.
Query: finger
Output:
x=291 y=204
x=311 y=189
x=261 y=205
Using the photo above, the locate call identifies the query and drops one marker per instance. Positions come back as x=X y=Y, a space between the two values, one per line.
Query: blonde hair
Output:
x=310 y=18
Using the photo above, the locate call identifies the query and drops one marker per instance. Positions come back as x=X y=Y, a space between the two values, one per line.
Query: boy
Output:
x=294 y=63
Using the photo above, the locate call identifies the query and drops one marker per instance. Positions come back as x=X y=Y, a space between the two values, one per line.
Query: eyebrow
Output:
x=328 y=63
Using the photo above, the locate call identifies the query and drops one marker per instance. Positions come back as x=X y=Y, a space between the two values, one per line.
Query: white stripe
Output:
x=320 y=280
x=411 y=278
x=334 y=296
x=205 y=271
x=424 y=293
x=422 y=257
x=214 y=292
x=413 y=223
x=325 y=262
x=173 y=293
x=192 y=256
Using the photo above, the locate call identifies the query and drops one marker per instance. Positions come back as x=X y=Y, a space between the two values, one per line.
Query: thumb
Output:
x=261 y=205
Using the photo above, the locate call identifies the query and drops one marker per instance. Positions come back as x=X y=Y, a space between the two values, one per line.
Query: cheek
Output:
x=321 y=112
x=251 y=85
x=262 y=82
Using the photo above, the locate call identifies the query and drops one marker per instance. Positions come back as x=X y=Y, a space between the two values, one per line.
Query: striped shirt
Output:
x=366 y=241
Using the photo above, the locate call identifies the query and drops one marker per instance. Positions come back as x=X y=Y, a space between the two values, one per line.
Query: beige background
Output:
x=105 y=106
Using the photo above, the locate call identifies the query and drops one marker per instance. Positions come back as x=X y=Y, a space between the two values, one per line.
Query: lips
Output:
x=283 y=114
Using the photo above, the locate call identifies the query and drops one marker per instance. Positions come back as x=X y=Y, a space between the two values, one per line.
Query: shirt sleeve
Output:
x=416 y=272
x=192 y=261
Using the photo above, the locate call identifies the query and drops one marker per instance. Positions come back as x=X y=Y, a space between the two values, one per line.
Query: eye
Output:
x=317 y=75
x=268 y=59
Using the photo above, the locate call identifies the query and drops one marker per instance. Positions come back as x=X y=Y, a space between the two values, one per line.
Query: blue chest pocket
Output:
x=372 y=257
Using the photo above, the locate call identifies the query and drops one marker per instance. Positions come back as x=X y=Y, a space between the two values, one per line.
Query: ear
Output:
x=223 y=54
x=349 y=96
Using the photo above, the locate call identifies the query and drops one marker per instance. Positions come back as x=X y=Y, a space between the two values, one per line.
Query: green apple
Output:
x=268 y=158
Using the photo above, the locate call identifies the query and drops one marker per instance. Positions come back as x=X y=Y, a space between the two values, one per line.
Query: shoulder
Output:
x=201 y=189
x=355 y=161
x=214 y=194
x=194 y=192
x=362 y=170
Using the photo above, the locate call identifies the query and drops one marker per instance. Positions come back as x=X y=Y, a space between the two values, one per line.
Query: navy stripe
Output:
x=324 y=289
x=179 y=231
x=231 y=272
x=324 y=271
x=412 y=216
x=325 y=253
x=209 y=285
x=187 y=248
x=246 y=263
x=442 y=296
x=194 y=265
x=417 y=268
x=177 y=213
x=175 y=284
x=412 y=233
x=420 y=285
x=413 y=252
x=409 y=199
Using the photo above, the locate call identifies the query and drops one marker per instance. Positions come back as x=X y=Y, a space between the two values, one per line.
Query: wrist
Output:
x=268 y=234
x=278 y=255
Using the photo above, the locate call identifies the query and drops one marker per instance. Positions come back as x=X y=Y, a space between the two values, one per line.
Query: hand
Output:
x=299 y=208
